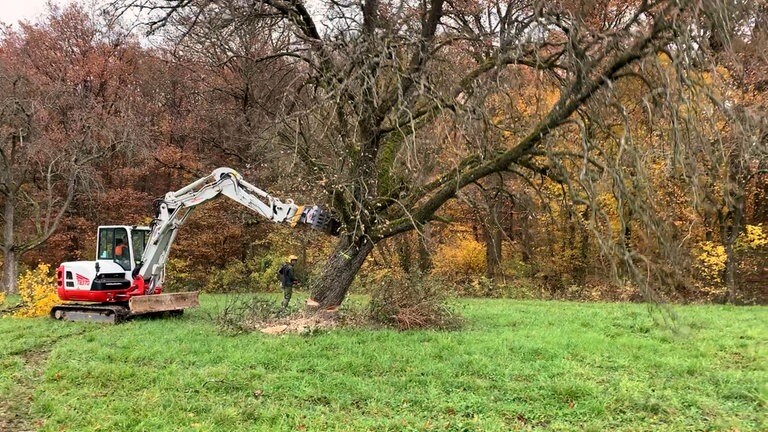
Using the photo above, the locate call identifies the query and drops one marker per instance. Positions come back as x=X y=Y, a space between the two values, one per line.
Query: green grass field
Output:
x=515 y=366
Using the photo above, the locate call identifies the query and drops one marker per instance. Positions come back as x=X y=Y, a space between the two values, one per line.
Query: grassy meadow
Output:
x=516 y=365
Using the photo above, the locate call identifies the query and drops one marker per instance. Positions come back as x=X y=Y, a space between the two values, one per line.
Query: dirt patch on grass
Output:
x=11 y=419
x=14 y=407
x=263 y=315
x=302 y=323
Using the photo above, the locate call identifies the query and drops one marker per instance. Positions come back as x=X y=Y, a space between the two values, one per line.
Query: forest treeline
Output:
x=593 y=150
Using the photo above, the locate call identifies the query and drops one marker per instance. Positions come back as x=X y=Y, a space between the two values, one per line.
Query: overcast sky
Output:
x=11 y=11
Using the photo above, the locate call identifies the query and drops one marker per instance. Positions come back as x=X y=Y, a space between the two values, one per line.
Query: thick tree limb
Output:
x=566 y=105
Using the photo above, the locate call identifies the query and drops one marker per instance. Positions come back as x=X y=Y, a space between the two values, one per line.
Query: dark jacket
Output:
x=287 y=275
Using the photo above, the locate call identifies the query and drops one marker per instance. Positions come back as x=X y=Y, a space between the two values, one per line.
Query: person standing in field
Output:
x=288 y=279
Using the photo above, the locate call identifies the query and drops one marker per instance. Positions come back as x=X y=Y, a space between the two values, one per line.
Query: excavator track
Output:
x=102 y=313
x=150 y=306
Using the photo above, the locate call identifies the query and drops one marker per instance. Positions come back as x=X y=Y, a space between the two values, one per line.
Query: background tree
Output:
x=64 y=110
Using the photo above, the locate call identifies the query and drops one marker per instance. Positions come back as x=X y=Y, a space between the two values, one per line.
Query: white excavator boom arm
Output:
x=174 y=209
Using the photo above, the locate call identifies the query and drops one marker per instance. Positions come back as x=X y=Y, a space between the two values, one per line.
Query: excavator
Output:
x=126 y=278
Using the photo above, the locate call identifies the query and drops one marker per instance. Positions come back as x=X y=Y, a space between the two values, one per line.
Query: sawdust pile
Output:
x=304 y=323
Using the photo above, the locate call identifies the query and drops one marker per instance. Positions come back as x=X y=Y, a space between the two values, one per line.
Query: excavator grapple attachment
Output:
x=317 y=218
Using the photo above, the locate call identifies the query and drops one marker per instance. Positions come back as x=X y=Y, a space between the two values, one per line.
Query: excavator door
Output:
x=123 y=245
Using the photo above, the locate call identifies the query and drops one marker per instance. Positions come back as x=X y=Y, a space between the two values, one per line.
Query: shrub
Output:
x=370 y=279
x=37 y=289
x=180 y=276
x=234 y=277
x=753 y=237
x=712 y=260
x=243 y=314
x=411 y=302
x=517 y=280
x=558 y=269
x=458 y=261
x=263 y=272
x=256 y=274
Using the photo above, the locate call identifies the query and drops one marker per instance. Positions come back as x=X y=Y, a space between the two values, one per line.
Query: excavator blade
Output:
x=163 y=302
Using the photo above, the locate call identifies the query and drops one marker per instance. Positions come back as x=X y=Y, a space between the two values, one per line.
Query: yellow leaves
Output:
x=618 y=130
x=38 y=292
x=753 y=237
x=2 y=298
x=712 y=257
x=723 y=71
x=461 y=258
x=664 y=60
x=712 y=260
x=711 y=263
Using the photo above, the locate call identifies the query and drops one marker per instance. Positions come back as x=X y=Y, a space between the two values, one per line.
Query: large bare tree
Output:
x=385 y=87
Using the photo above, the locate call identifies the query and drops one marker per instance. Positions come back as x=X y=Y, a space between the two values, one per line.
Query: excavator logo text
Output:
x=82 y=280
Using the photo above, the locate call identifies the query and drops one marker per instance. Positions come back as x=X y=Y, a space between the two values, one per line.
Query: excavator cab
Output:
x=123 y=245
x=109 y=278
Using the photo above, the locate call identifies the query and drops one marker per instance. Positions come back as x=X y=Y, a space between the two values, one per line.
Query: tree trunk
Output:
x=425 y=261
x=493 y=234
x=736 y=201
x=731 y=263
x=525 y=234
x=403 y=249
x=493 y=251
x=10 y=271
x=340 y=270
x=584 y=246
x=10 y=260
x=732 y=233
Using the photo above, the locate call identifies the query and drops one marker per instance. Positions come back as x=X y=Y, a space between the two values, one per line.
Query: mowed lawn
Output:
x=517 y=365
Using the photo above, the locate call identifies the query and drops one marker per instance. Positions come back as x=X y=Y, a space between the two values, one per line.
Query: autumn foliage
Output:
x=37 y=288
x=653 y=186
x=459 y=259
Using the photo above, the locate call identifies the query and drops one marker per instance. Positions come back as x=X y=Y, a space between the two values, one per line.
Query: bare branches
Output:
x=393 y=108
x=297 y=13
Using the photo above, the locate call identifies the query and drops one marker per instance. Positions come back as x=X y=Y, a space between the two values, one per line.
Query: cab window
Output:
x=139 y=240
x=113 y=245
